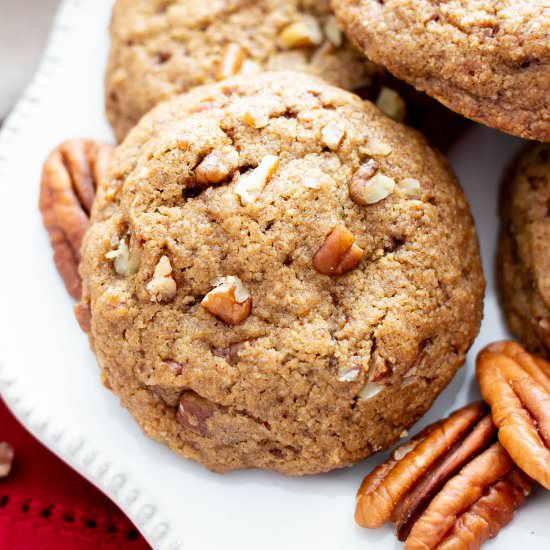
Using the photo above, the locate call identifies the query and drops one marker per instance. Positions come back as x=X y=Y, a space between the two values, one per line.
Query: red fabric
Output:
x=45 y=505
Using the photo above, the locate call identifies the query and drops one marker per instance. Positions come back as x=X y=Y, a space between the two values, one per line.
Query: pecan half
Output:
x=6 y=458
x=486 y=491
x=416 y=501
x=69 y=179
x=489 y=514
x=516 y=385
x=378 y=497
x=452 y=486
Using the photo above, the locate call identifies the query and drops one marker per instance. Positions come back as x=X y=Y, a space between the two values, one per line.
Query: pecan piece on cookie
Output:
x=194 y=412
x=516 y=385
x=6 y=459
x=450 y=483
x=339 y=253
x=69 y=180
x=230 y=301
x=231 y=61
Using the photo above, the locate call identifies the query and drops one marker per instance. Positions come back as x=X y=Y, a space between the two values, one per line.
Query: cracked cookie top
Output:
x=163 y=48
x=279 y=276
x=487 y=60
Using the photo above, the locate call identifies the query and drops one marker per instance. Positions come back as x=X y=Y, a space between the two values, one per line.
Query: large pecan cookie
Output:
x=524 y=255
x=489 y=61
x=278 y=275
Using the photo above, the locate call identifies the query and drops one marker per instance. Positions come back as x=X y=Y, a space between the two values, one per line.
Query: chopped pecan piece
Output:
x=303 y=33
x=250 y=185
x=516 y=385
x=333 y=134
x=231 y=352
x=369 y=186
x=333 y=32
x=230 y=62
x=217 y=166
x=6 y=459
x=125 y=261
x=409 y=188
x=162 y=286
x=452 y=485
x=339 y=253
x=229 y=300
x=194 y=412
x=391 y=104
x=380 y=370
x=70 y=176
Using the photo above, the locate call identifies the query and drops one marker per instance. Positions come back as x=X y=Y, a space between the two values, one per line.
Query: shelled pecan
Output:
x=451 y=486
x=194 y=411
x=69 y=179
x=516 y=385
x=339 y=253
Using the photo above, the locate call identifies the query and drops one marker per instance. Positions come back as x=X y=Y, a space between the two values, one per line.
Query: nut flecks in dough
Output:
x=162 y=286
x=156 y=56
x=250 y=185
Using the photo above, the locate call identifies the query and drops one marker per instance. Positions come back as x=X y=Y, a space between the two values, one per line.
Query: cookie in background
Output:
x=523 y=264
x=489 y=61
x=160 y=50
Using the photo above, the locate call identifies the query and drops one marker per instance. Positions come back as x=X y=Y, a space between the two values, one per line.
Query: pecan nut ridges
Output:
x=387 y=485
x=473 y=506
x=69 y=179
x=516 y=385
x=451 y=486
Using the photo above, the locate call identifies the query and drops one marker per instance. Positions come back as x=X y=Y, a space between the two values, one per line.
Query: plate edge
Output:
x=71 y=447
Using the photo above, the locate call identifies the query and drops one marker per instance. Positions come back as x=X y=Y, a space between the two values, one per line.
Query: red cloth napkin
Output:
x=45 y=505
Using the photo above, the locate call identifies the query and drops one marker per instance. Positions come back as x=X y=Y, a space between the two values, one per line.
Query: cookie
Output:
x=489 y=61
x=278 y=275
x=524 y=256
x=161 y=49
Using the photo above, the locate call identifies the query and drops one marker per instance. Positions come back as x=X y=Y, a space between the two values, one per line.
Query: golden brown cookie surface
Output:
x=489 y=61
x=161 y=49
x=524 y=256
x=279 y=276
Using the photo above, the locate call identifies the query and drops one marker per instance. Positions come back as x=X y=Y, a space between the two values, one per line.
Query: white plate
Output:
x=50 y=380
